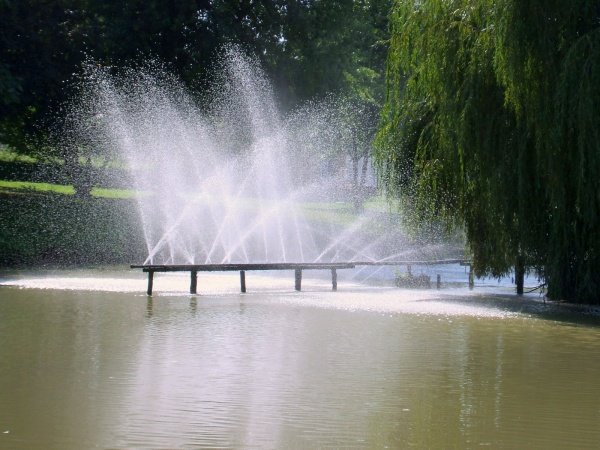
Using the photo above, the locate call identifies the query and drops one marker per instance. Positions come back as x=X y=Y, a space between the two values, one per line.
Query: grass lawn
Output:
x=333 y=212
x=17 y=187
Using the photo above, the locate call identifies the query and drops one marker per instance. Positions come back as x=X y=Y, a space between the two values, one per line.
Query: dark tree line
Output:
x=307 y=48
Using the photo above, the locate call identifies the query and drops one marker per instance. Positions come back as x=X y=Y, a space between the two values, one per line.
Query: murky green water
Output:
x=95 y=364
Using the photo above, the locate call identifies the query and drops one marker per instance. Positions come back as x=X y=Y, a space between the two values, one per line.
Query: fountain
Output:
x=232 y=180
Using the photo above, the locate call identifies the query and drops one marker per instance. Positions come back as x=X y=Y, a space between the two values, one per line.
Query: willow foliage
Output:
x=492 y=121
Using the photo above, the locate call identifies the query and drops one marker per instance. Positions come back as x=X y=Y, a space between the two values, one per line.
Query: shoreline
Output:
x=483 y=297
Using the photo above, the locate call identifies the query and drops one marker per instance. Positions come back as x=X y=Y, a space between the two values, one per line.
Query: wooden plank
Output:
x=289 y=266
x=241 y=266
x=438 y=262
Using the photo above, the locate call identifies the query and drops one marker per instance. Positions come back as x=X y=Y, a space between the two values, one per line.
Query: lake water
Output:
x=88 y=361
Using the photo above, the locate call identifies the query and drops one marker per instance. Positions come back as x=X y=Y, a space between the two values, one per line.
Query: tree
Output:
x=356 y=123
x=40 y=44
x=490 y=122
x=307 y=49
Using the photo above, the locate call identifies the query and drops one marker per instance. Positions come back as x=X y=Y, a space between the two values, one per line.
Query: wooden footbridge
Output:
x=298 y=268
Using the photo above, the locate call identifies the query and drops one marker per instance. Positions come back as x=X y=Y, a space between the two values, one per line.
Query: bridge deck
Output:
x=297 y=267
x=240 y=266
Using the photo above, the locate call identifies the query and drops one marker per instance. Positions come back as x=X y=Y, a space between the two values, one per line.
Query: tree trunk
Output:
x=80 y=175
x=520 y=275
x=365 y=166
x=356 y=196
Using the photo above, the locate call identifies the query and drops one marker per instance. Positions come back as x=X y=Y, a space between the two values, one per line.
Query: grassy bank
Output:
x=20 y=187
x=46 y=224
x=43 y=227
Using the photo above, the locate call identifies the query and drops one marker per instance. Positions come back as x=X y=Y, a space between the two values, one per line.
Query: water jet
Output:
x=229 y=179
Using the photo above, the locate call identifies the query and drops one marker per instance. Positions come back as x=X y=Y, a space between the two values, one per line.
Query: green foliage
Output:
x=28 y=186
x=40 y=45
x=307 y=48
x=491 y=121
x=67 y=230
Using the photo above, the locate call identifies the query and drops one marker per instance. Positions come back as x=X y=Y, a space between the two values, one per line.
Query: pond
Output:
x=89 y=361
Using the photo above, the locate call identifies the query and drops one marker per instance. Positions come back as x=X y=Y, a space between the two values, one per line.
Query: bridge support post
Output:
x=334 y=279
x=193 y=281
x=439 y=281
x=150 y=282
x=298 y=278
x=242 y=280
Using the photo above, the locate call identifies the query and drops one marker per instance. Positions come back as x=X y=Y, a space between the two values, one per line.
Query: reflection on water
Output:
x=358 y=368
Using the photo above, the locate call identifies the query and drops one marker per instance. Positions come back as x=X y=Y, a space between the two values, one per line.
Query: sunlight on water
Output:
x=80 y=284
x=89 y=361
x=278 y=287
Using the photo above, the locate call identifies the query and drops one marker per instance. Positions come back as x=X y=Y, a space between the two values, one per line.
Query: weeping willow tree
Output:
x=492 y=123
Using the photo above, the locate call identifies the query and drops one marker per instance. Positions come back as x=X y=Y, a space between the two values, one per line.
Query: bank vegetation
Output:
x=492 y=123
